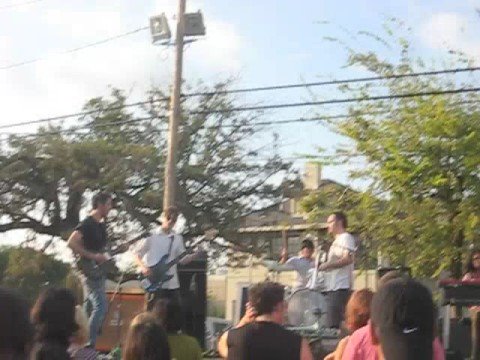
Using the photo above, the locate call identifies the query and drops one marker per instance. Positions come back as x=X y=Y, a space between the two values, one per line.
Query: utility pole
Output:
x=170 y=169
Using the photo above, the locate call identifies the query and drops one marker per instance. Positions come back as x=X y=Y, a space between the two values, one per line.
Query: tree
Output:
x=29 y=271
x=421 y=156
x=46 y=178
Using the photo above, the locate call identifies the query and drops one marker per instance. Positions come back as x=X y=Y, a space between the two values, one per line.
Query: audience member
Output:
x=78 y=343
x=146 y=340
x=16 y=332
x=402 y=321
x=363 y=346
x=357 y=314
x=260 y=334
x=53 y=316
x=182 y=346
x=472 y=273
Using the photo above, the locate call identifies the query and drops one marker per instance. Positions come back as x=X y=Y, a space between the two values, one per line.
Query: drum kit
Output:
x=307 y=305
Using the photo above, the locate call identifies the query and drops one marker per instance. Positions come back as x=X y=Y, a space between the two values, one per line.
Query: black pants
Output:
x=336 y=302
x=170 y=294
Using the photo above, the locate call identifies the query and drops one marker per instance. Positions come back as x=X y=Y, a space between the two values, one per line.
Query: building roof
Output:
x=280 y=228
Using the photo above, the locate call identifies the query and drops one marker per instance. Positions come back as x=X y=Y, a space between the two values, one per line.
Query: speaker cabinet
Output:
x=193 y=292
x=460 y=338
x=122 y=309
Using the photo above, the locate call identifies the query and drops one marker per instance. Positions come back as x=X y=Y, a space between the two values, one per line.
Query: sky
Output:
x=258 y=43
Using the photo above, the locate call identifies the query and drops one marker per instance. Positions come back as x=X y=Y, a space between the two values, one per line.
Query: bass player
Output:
x=149 y=251
x=88 y=241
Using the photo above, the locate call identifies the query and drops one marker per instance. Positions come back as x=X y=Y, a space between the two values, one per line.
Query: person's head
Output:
x=169 y=218
x=82 y=335
x=169 y=314
x=267 y=298
x=473 y=263
x=16 y=332
x=146 y=340
x=391 y=275
x=357 y=311
x=54 y=316
x=402 y=319
x=337 y=223
x=102 y=202
x=144 y=316
x=307 y=248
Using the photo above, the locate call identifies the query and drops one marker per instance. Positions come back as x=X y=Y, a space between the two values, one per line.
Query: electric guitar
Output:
x=159 y=272
x=93 y=270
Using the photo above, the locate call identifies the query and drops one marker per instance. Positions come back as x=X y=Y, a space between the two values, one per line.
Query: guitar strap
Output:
x=172 y=239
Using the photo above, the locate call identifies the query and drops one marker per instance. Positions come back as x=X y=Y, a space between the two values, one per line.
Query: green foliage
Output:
x=421 y=156
x=28 y=271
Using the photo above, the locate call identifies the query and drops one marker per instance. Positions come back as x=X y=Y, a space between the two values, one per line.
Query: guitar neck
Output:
x=127 y=244
x=178 y=259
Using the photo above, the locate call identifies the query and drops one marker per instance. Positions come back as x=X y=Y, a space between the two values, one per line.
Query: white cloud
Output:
x=62 y=83
x=445 y=31
x=220 y=50
x=4 y=47
x=85 y=25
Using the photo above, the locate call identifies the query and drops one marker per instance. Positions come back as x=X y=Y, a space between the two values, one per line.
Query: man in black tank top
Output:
x=260 y=334
x=88 y=241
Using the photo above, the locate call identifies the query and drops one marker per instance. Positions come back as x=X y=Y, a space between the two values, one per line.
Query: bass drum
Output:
x=306 y=308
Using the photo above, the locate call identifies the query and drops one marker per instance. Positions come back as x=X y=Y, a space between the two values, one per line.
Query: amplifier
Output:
x=121 y=312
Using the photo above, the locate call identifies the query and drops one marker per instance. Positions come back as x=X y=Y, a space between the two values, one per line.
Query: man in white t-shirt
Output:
x=149 y=251
x=338 y=268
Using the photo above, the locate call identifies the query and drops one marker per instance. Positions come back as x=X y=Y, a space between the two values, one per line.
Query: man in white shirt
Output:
x=338 y=268
x=149 y=251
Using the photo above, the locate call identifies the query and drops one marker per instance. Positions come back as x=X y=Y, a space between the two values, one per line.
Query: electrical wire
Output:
x=70 y=51
x=340 y=101
x=337 y=82
x=260 y=107
x=10 y=6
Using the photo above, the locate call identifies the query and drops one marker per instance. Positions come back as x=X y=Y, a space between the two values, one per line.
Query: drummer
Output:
x=301 y=264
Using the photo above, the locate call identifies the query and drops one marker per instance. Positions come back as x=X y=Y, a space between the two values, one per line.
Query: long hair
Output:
x=469 y=268
x=146 y=340
x=54 y=316
x=357 y=311
x=81 y=336
x=16 y=332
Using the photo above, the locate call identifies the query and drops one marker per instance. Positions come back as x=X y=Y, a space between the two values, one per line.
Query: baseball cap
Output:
x=402 y=314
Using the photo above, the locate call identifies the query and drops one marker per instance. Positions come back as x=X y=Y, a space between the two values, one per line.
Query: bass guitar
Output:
x=159 y=272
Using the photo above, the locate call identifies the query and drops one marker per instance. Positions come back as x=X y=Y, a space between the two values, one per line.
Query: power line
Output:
x=261 y=107
x=96 y=43
x=340 y=101
x=81 y=113
x=74 y=130
x=212 y=127
x=337 y=82
x=10 y=6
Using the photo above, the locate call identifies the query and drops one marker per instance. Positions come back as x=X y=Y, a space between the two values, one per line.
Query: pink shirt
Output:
x=360 y=347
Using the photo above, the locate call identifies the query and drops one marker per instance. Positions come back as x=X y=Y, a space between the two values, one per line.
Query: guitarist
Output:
x=150 y=250
x=88 y=240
